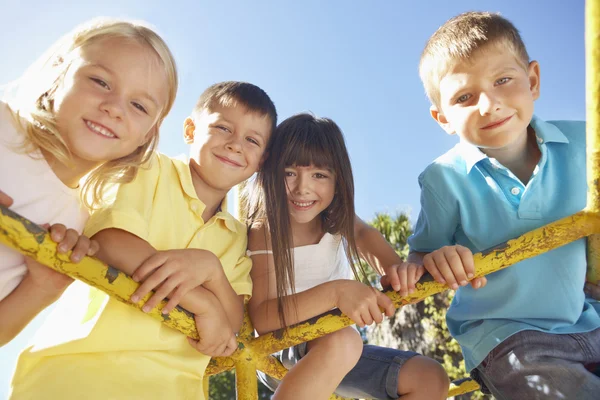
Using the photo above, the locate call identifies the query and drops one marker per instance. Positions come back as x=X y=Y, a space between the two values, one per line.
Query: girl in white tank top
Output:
x=305 y=241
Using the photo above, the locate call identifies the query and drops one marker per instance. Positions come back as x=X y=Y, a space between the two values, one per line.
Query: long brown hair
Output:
x=302 y=140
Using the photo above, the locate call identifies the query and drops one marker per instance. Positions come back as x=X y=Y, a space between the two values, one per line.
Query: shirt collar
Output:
x=544 y=131
x=182 y=167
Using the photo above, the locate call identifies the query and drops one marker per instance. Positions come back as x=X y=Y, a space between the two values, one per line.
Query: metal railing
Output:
x=254 y=353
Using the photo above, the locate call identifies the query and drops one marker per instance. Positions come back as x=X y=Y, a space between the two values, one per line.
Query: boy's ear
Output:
x=533 y=71
x=189 y=129
x=441 y=120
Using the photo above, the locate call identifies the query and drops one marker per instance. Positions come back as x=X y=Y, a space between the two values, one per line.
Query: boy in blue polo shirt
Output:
x=529 y=333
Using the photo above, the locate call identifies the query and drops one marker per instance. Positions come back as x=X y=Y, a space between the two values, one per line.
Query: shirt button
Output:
x=515 y=191
x=540 y=140
x=194 y=207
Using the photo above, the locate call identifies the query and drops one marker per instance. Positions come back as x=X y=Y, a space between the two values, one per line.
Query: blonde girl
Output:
x=83 y=117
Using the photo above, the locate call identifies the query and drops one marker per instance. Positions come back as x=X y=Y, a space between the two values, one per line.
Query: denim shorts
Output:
x=538 y=365
x=375 y=375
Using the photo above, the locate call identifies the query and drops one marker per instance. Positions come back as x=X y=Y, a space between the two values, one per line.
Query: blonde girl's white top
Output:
x=317 y=263
x=37 y=192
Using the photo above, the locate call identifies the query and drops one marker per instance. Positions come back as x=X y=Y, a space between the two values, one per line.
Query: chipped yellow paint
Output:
x=255 y=353
x=32 y=240
x=462 y=386
x=592 y=44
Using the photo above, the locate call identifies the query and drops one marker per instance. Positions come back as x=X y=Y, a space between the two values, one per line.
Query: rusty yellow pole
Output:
x=32 y=240
x=528 y=245
x=462 y=386
x=592 y=47
x=245 y=362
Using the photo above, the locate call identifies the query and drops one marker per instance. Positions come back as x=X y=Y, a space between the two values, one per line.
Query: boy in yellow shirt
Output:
x=169 y=229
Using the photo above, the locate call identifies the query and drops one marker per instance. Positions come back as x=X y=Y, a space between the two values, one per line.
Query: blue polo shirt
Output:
x=470 y=199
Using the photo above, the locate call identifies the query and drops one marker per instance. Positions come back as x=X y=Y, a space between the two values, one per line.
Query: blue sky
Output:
x=353 y=61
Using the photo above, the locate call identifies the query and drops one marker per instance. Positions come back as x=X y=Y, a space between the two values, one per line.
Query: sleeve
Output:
x=239 y=275
x=131 y=209
x=437 y=222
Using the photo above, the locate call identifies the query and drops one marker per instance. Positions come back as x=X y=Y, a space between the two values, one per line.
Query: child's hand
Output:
x=5 y=200
x=175 y=273
x=70 y=239
x=362 y=303
x=592 y=290
x=216 y=336
x=403 y=277
x=49 y=280
x=454 y=266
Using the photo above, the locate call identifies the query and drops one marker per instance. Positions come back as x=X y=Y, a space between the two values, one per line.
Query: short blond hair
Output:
x=32 y=101
x=459 y=39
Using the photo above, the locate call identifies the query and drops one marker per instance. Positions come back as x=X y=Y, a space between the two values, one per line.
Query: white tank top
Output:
x=317 y=263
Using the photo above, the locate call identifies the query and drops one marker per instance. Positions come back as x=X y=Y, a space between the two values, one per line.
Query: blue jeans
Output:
x=537 y=365
x=375 y=375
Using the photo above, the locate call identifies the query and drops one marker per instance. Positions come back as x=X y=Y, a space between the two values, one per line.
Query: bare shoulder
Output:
x=259 y=237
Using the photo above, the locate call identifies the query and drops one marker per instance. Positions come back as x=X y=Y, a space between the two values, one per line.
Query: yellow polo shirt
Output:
x=94 y=347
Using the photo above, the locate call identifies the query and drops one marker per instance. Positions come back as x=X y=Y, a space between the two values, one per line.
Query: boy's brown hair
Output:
x=233 y=94
x=459 y=39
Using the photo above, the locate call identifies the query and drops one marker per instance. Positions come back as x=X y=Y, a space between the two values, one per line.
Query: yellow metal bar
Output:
x=32 y=240
x=462 y=386
x=528 y=245
x=245 y=377
x=592 y=48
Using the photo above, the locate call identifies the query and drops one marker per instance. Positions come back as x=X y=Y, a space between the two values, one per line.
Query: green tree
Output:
x=222 y=387
x=419 y=327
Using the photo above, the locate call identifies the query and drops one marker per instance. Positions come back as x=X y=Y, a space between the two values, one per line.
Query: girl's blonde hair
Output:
x=32 y=102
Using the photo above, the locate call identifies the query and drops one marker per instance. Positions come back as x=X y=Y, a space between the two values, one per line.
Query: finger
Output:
x=69 y=241
x=483 y=281
x=157 y=277
x=375 y=312
x=445 y=270
x=94 y=247
x=219 y=349
x=385 y=281
x=161 y=293
x=193 y=342
x=432 y=268
x=394 y=279
x=365 y=313
x=456 y=266
x=148 y=266
x=230 y=349
x=411 y=277
x=206 y=348
x=357 y=318
x=80 y=249
x=466 y=258
x=403 y=279
x=367 y=319
x=175 y=298
x=57 y=232
x=386 y=304
x=477 y=283
x=232 y=342
x=5 y=199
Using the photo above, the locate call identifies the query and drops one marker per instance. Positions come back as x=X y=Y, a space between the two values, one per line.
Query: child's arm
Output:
x=373 y=247
x=41 y=286
x=191 y=276
x=358 y=301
